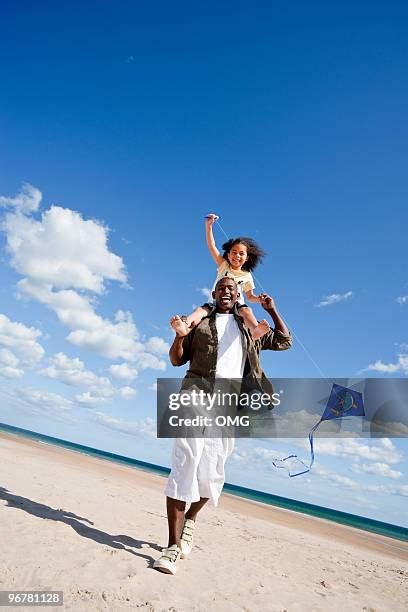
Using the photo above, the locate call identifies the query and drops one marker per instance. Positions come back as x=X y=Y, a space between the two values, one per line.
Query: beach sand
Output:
x=93 y=529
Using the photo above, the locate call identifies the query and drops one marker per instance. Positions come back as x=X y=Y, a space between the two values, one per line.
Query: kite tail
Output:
x=308 y=467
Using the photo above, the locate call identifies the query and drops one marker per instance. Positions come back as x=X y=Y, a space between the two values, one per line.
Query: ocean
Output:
x=352 y=520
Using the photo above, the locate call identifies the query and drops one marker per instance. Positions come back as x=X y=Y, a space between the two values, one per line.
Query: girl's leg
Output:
x=179 y=326
x=183 y=325
x=257 y=329
x=195 y=317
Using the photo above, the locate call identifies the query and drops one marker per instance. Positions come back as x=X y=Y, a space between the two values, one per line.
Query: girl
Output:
x=241 y=255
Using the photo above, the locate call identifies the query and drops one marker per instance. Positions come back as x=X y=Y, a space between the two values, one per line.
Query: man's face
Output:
x=225 y=294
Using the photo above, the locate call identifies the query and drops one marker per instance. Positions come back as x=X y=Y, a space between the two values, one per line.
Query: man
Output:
x=220 y=346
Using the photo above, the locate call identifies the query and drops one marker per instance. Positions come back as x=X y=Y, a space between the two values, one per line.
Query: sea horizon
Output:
x=352 y=520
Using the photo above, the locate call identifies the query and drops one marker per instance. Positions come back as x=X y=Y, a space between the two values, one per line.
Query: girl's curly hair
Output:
x=255 y=253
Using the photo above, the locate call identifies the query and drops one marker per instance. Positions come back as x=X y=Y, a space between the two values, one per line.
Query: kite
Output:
x=343 y=402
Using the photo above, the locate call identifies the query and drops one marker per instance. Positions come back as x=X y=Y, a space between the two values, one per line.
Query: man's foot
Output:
x=186 y=540
x=180 y=327
x=167 y=562
x=260 y=330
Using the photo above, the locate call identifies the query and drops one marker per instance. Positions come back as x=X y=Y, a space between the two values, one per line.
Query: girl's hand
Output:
x=211 y=219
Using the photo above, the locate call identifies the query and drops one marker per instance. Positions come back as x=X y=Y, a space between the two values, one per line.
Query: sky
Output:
x=120 y=128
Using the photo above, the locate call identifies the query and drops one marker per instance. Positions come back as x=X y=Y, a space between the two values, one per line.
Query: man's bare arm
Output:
x=269 y=305
x=176 y=351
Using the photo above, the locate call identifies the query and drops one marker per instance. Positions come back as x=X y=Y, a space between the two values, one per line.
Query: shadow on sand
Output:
x=119 y=541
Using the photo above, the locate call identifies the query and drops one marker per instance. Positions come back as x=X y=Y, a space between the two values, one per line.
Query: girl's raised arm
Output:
x=209 y=222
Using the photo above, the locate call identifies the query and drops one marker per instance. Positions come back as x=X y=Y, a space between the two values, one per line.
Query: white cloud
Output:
x=153 y=386
x=157 y=346
x=89 y=399
x=394 y=429
x=334 y=298
x=8 y=358
x=127 y=392
x=21 y=339
x=101 y=395
x=63 y=258
x=260 y=456
x=291 y=424
x=383 y=451
x=337 y=479
x=112 y=340
x=206 y=293
x=389 y=368
x=62 y=250
x=65 y=261
x=379 y=469
x=18 y=347
x=133 y=428
x=146 y=360
x=402 y=299
x=27 y=200
x=8 y=365
x=10 y=372
x=123 y=371
x=71 y=372
x=386 y=443
x=402 y=490
x=44 y=399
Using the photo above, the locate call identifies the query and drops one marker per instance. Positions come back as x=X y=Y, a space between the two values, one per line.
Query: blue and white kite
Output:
x=343 y=402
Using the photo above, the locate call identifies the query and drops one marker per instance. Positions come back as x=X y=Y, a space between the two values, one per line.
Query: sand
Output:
x=93 y=529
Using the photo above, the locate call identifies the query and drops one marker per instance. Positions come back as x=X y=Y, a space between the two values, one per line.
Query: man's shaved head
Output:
x=222 y=279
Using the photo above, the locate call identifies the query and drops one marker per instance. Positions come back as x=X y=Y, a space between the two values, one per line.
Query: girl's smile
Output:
x=237 y=256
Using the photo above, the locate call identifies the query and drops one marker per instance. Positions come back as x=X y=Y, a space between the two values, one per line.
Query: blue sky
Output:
x=288 y=121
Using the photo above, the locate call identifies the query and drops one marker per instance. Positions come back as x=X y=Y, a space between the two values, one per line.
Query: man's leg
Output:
x=167 y=563
x=175 y=519
x=195 y=508
x=187 y=533
x=175 y=516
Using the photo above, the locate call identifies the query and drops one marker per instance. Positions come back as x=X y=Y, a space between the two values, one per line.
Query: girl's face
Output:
x=237 y=256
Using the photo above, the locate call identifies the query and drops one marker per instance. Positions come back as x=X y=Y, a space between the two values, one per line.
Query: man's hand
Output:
x=267 y=302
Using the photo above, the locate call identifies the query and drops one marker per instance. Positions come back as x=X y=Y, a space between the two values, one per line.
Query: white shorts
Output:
x=197 y=468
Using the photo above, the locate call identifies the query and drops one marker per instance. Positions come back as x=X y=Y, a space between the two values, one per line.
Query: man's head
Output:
x=225 y=294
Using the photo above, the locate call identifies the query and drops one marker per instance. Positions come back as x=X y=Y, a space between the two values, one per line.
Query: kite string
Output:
x=307 y=353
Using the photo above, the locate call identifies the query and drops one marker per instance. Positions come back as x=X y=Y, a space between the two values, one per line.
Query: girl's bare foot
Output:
x=180 y=327
x=260 y=330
